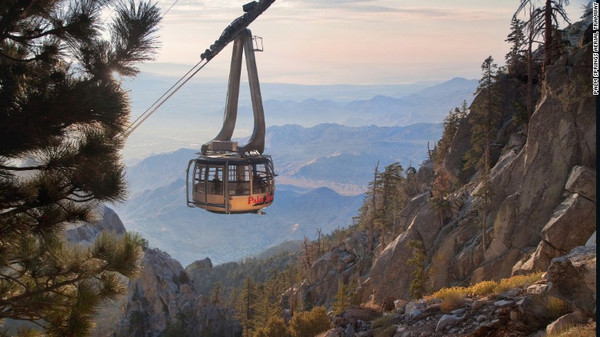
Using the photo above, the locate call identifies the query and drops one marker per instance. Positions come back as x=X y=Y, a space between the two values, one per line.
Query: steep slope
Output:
x=162 y=301
x=86 y=233
x=529 y=194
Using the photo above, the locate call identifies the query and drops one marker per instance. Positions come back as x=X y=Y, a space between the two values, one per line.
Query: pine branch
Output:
x=14 y=301
x=24 y=168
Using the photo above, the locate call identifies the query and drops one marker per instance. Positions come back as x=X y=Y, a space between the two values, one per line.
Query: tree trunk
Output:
x=547 y=36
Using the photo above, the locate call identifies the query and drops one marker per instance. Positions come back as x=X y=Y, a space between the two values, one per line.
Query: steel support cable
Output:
x=164 y=97
x=230 y=32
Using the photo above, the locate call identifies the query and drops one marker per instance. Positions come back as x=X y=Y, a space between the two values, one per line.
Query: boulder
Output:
x=582 y=180
x=448 y=321
x=414 y=306
x=355 y=314
x=86 y=233
x=539 y=260
x=199 y=266
x=565 y=321
x=390 y=276
x=573 y=278
x=572 y=223
x=592 y=240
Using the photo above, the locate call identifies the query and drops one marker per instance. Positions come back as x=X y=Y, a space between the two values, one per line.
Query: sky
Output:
x=344 y=41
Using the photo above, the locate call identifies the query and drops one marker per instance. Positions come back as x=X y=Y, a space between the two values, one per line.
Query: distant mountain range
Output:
x=424 y=106
x=194 y=115
x=325 y=142
x=187 y=234
x=340 y=157
x=322 y=172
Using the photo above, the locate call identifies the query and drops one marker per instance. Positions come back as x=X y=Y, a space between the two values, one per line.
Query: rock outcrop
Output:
x=348 y=263
x=543 y=195
x=572 y=278
x=162 y=299
x=516 y=312
x=86 y=233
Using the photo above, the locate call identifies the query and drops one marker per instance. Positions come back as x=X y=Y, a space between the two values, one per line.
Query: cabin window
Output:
x=200 y=178
x=215 y=179
x=239 y=179
x=261 y=178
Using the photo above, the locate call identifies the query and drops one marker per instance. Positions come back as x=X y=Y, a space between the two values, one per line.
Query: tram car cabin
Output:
x=230 y=184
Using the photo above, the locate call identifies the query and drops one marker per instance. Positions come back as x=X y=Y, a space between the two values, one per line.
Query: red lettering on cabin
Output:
x=260 y=199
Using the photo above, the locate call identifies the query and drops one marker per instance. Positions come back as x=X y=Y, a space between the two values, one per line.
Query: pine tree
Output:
x=62 y=115
x=412 y=182
x=417 y=284
x=310 y=323
x=440 y=189
x=393 y=196
x=371 y=212
x=342 y=298
x=516 y=59
x=275 y=327
x=216 y=294
x=545 y=19
x=246 y=306
x=266 y=305
x=451 y=123
x=485 y=117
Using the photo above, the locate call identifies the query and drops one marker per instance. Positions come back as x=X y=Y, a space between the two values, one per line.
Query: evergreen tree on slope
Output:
x=485 y=118
x=62 y=115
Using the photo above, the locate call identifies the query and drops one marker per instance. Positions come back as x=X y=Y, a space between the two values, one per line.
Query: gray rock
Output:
x=572 y=223
x=86 y=233
x=592 y=240
x=448 y=321
x=564 y=321
x=162 y=294
x=528 y=186
x=573 y=278
x=458 y=311
x=503 y=303
x=199 y=265
x=538 y=288
x=582 y=180
x=510 y=293
x=413 y=315
x=413 y=305
x=539 y=260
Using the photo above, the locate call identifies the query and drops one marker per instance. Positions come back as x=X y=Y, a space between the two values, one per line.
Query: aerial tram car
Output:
x=228 y=178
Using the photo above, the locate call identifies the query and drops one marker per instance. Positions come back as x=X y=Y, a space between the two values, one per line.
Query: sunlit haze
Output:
x=313 y=42
x=344 y=41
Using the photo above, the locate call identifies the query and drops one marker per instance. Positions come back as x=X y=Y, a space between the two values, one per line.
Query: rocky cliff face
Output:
x=162 y=301
x=543 y=196
x=86 y=233
x=350 y=263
